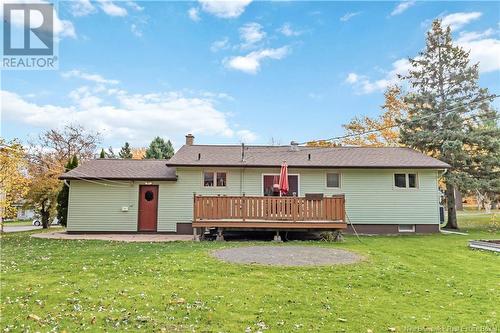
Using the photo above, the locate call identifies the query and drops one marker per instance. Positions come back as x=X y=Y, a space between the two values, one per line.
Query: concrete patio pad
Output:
x=115 y=237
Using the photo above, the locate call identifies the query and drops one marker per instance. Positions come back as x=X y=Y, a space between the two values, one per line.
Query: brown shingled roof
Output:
x=122 y=169
x=304 y=157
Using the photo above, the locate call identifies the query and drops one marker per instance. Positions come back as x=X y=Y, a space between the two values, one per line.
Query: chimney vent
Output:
x=189 y=139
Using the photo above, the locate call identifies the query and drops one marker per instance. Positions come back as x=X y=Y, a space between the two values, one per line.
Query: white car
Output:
x=37 y=221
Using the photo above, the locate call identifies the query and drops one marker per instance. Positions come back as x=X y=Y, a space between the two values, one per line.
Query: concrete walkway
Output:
x=115 y=237
x=19 y=228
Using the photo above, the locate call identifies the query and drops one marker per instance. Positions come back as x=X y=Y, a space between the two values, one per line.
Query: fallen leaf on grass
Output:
x=34 y=317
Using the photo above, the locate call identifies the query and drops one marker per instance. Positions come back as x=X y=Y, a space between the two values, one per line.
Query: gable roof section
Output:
x=122 y=169
x=304 y=157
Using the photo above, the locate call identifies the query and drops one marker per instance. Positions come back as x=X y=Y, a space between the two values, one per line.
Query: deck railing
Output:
x=259 y=208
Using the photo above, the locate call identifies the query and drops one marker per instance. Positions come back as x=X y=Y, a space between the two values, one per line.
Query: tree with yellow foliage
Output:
x=13 y=181
x=382 y=130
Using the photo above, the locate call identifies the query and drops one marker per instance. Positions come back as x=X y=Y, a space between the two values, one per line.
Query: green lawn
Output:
x=407 y=283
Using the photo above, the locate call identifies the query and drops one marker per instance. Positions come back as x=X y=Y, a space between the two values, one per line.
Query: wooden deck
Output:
x=258 y=212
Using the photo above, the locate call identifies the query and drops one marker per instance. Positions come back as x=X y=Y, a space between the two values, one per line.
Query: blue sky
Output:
x=232 y=72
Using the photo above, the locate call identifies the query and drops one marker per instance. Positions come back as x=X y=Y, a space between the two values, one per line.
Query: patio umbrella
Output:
x=284 y=179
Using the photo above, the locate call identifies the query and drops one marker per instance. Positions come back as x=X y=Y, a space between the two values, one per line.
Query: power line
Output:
x=403 y=122
x=122 y=184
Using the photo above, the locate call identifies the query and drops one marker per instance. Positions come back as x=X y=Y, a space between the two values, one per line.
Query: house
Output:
x=378 y=190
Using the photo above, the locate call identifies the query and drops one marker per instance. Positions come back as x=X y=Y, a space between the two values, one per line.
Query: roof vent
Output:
x=199 y=156
x=294 y=146
x=308 y=157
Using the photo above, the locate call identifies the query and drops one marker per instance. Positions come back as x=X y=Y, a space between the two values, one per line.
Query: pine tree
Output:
x=159 y=149
x=444 y=94
x=103 y=154
x=125 y=152
x=63 y=195
x=483 y=147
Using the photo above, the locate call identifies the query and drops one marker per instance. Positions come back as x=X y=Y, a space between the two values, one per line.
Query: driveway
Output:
x=20 y=228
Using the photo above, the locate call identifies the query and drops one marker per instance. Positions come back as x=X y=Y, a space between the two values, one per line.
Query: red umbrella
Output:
x=284 y=179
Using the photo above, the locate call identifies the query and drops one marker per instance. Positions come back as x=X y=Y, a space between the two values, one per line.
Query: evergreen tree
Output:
x=484 y=166
x=63 y=195
x=159 y=149
x=444 y=94
x=103 y=154
x=125 y=152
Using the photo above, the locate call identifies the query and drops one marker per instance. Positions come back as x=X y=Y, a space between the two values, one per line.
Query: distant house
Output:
x=378 y=190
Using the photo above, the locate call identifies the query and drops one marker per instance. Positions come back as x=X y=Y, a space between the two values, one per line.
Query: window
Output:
x=221 y=178
x=405 y=180
x=149 y=196
x=332 y=180
x=271 y=185
x=400 y=180
x=406 y=228
x=412 y=180
x=214 y=178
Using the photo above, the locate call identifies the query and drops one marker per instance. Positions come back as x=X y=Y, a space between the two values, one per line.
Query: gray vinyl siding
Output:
x=370 y=197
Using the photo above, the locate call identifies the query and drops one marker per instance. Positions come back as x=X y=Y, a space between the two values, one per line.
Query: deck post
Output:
x=220 y=235
x=244 y=207
x=196 y=237
x=277 y=237
x=194 y=207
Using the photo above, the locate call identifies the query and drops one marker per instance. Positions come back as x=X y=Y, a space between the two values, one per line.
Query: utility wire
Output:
x=404 y=122
x=122 y=184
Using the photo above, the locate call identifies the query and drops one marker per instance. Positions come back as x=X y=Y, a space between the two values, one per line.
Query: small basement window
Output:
x=333 y=180
x=214 y=179
x=406 y=228
x=405 y=180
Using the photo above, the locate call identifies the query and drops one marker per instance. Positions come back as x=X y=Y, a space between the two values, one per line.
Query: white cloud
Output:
x=402 y=6
x=62 y=28
x=135 y=30
x=221 y=44
x=88 y=77
x=251 y=33
x=457 y=20
x=348 y=16
x=315 y=96
x=364 y=85
x=110 y=8
x=352 y=78
x=483 y=49
x=246 y=136
x=287 y=30
x=194 y=14
x=251 y=62
x=133 y=117
x=224 y=9
x=134 y=6
x=82 y=8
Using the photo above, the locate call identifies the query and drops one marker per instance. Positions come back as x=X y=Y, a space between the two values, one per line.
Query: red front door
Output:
x=148 y=207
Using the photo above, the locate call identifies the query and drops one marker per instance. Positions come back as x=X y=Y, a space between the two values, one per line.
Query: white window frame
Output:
x=407 y=181
x=408 y=231
x=214 y=172
x=340 y=180
x=277 y=174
